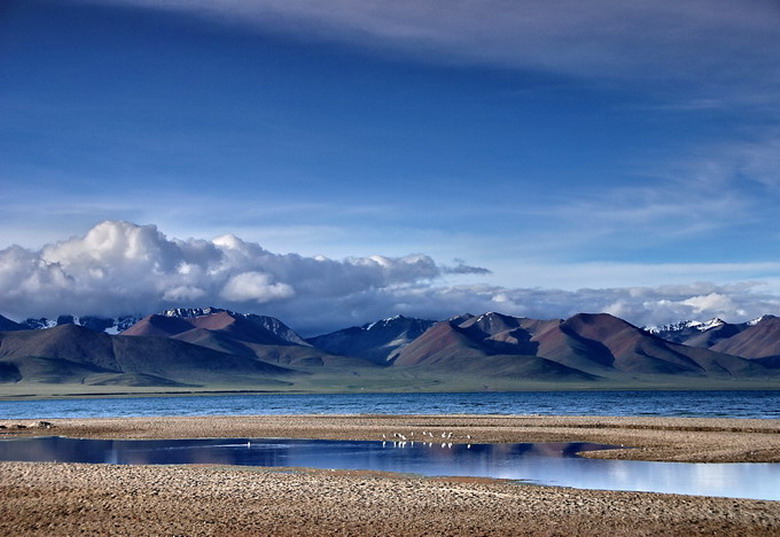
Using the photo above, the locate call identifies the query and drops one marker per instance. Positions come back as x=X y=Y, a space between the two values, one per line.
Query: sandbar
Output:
x=80 y=499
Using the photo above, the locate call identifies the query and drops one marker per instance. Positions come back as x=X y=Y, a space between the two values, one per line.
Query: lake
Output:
x=709 y=404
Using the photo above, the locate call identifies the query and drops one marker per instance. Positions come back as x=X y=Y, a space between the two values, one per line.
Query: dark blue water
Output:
x=734 y=404
x=542 y=463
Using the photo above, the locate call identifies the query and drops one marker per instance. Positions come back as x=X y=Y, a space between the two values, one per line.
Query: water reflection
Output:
x=542 y=463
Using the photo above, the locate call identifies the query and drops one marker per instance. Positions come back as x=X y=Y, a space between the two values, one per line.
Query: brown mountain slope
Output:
x=760 y=340
x=638 y=352
x=236 y=326
x=593 y=344
x=65 y=342
x=632 y=349
x=264 y=339
x=442 y=342
x=461 y=349
x=502 y=333
x=158 y=325
x=70 y=353
x=295 y=356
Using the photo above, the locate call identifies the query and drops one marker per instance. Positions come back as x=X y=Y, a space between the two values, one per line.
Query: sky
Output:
x=333 y=163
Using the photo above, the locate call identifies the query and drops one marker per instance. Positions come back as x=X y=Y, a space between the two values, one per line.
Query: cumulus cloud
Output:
x=255 y=286
x=120 y=268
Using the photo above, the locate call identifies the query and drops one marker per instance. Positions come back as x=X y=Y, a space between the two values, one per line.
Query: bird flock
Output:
x=401 y=440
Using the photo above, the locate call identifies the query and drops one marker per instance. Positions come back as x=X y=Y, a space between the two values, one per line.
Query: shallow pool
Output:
x=540 y=463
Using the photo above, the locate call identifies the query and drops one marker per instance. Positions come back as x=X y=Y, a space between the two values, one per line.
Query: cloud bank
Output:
x=120 y=268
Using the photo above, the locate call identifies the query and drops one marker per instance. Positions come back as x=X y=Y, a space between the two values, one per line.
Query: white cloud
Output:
x=710 y=302
x=123 y=268
x=184 y=293
x=255 y=286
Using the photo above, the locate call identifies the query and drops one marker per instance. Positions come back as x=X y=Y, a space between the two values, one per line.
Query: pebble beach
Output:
x=82 y=499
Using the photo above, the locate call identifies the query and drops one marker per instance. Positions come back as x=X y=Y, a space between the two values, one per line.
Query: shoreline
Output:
x=42 y=499
x=19 y=394
x=65 y=391
x=647 y=438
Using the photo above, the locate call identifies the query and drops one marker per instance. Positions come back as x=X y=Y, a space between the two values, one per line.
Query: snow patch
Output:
x=685 y=325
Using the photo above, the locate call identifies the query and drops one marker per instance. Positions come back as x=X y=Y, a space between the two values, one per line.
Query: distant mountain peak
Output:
x=390 y=321
x=701 y=326
x=462 y=318
x=494 y=314
x=712 y=323
x=761 y=319
x=93 y=322
x=258 y=328
x=191 y=313
x=376 y=341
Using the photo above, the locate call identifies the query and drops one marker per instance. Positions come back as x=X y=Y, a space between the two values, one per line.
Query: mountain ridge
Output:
x=204 y=346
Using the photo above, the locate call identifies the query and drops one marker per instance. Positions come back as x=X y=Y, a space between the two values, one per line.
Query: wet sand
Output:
x=74 y=499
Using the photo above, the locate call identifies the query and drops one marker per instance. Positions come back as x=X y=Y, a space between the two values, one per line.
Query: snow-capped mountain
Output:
x=271 y=324
x=704 y=333
x=191 y=313
x=687 y=327
x=758 y=320
x=93 y=322
x=118 y=325
x=758 y=339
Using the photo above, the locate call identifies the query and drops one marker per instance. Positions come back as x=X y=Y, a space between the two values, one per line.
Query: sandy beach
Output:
x=76 y=499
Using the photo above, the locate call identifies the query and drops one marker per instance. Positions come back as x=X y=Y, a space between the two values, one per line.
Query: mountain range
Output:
x=199 y=348
x=756 y=339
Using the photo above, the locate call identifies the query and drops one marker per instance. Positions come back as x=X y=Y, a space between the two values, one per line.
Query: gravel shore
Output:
x=77 y=499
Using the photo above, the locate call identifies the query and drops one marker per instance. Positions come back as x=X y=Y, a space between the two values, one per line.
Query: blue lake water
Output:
x=735 y=404
x=542 y=463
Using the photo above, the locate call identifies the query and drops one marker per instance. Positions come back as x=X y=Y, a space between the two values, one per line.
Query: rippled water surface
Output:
x=737 y=404
x=541 y=463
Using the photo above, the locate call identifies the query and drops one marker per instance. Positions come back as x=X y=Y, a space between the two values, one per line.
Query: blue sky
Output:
x=542 y=158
